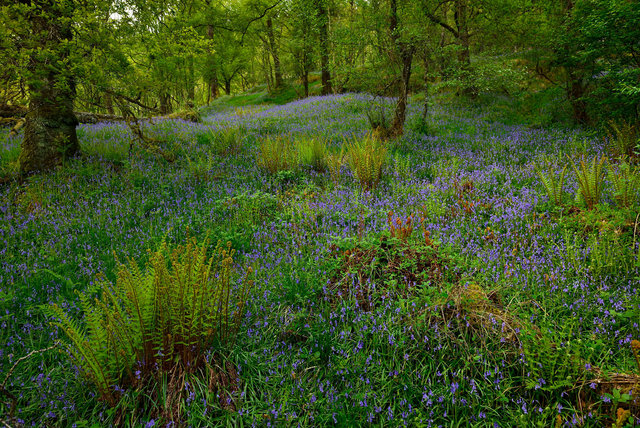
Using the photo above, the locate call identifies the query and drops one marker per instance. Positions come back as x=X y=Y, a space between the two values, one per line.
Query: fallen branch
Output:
x=16 y=122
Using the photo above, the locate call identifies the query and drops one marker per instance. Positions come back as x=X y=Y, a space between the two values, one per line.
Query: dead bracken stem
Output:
x=3 y=389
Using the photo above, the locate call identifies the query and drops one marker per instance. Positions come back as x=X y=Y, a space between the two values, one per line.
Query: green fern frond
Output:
x=553 y=185
x=367 y=157
x=626 y=183
x=590 y=180
x=163 y=315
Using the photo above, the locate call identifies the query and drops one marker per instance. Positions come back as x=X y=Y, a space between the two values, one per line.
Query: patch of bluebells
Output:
x=353 y=367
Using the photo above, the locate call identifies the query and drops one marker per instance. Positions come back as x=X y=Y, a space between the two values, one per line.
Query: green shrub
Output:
x=276 y=154
x=157 y=320
x=367 y=157
x=313 y=152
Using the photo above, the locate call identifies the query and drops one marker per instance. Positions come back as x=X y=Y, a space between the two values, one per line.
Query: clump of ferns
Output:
x=367 y=157
x=159 y=321
x=313 y=152
x=334 y=165
x=553 y=184
x=590 y=177
x=624 y=139
x=625 y=179
x=277 y=154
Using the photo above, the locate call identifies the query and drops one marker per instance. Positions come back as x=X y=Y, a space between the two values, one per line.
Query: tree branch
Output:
x=443 y=24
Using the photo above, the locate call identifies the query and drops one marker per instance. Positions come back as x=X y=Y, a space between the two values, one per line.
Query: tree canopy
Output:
x=154 y=57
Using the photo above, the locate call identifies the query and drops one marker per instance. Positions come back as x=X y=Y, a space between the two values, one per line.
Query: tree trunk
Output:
x=191 y=83
x=397 y=126
x=165 y=103
x=405 y=52
x=464 y=55
x=227 y=86
x=213 y=73
x=425 y=104
x=575 y=92
x=324 y=47
x=305 y=82
x=50 y=127
x=273 y=47
x=108 y=103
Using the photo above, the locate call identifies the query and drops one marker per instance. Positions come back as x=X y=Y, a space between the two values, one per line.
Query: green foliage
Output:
x=223 y=142
x=201 y=165
x=590 y=180
x=551 y=367
x=552 y=184
x=401 y=167
x=610 y=253
x=241 y=214
x=277 y=154
x=600 y=240
x=446 y=168
x=313 y=152
x=158 y=319
x=626 y=183
x=599 y=41
x=624 y=140
x=378 y=117
x=367 y=157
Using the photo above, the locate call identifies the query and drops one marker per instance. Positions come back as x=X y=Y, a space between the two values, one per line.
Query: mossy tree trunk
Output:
x=403 y=51
x=50 y=127
x=273 y=48
x=212 y=72
x=323 y=18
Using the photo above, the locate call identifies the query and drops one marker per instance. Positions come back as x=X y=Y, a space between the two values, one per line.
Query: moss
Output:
x=188 y=115
x=49 y=138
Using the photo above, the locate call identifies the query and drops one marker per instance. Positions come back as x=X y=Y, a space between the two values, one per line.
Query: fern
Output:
x=367 y=157
x=156 y=319
x=625 y=139
x=334 y=165
x=552 y=184
x=313 y=152
x=590 y=180
x=401 y=167
x=626 y=182
x=277 y=154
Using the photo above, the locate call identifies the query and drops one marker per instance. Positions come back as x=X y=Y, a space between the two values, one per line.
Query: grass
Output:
x=260 y=95
x=495 y=306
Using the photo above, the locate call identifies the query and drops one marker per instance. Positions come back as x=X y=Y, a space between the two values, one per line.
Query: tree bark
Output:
x=575 y=92
x=213 y=73
x=165 y=103
x=425 y=104
x=305 y=82
x=108 y=103
x=191 y=83
x=464 y=55
x=273 y=47
x=323 y=19
x=50 y=127
x=405 y=53
x=397 y=126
